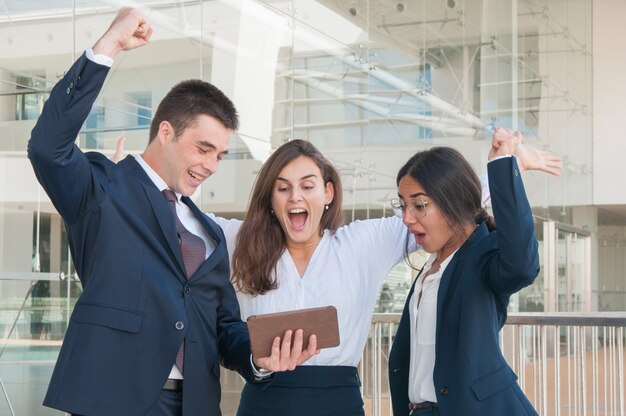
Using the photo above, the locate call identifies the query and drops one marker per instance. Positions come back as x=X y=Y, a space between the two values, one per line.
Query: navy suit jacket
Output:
x=471 y=375
x=137 y=305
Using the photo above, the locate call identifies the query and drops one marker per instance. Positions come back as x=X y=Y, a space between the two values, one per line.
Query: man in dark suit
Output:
x=149 y=331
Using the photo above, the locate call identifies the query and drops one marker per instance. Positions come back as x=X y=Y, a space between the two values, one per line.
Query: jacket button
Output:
x=179 y=325
x=187 y=288
x=444 y=391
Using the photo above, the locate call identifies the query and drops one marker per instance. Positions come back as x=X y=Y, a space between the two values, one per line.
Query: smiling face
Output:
x=184 y=162
x=430 y=227
x=299 y=198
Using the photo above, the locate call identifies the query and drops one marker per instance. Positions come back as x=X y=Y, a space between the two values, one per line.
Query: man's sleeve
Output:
x=60 y=166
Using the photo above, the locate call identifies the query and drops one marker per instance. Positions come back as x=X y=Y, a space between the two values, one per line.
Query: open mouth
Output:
x=419 y=238
x=298 y=217
x=195 y=176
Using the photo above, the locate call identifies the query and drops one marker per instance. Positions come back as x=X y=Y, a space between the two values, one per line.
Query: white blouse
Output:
x=423 y=319
x=346 y=270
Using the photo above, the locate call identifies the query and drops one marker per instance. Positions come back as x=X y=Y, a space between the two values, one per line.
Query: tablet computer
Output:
x=321 y=321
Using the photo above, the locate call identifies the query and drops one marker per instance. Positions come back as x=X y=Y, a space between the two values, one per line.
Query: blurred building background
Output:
x=367 y=81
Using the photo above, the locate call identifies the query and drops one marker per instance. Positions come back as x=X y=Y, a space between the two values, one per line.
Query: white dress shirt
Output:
x=186 y=216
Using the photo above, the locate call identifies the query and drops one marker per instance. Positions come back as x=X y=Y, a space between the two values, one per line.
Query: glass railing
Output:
x=34 y=313
x=568 y=364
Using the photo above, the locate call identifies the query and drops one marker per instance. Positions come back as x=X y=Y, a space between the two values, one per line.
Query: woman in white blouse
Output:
x=292 y=252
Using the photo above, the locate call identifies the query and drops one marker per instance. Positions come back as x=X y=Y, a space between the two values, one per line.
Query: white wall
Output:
x=16 y=240
x=609 y=81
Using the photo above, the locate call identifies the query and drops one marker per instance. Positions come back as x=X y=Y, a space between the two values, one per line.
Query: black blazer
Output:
x=471 y=375
x=137 y=305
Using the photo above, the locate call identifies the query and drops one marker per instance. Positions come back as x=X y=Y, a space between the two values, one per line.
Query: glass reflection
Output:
x=368 y=81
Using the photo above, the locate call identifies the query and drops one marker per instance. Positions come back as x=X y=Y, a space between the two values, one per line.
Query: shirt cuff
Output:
x=259 y=373
x=498 y=157
x=99 y=59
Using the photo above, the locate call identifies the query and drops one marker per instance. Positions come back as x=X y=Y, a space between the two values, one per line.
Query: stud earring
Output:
x=326 y=207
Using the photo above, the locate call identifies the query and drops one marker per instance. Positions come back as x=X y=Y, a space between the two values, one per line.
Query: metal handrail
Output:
x=568 y=318
x=539 y=318
x=534 y=345
x=568 y=363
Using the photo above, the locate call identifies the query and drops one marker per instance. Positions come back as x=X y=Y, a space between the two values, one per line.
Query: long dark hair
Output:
x=448 y=178
x=261 y=239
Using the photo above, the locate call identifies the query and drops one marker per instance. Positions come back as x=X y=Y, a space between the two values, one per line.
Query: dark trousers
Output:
x=170 y=403
x=309 y=390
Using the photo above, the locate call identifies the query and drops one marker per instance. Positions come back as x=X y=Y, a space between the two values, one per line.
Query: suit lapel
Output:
x=402 y=343
x=446 y=281
x=167 y=224
x=450 y=277
x=160 y=208
x=419 y=273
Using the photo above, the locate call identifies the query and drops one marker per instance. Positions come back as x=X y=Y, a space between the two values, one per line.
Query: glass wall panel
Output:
x=370 y=82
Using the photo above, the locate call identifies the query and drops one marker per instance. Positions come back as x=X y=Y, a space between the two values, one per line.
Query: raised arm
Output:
x=529 y=158
x=60 y=166
x=516 y=263
x=129 y=30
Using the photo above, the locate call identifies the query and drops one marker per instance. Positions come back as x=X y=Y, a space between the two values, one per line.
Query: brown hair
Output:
x=261 y=239
x=189 y=99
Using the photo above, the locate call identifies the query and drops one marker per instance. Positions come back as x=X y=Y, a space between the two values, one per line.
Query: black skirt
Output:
x=308 y=390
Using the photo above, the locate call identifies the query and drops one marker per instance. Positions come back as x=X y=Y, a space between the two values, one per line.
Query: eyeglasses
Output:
x=417 y=207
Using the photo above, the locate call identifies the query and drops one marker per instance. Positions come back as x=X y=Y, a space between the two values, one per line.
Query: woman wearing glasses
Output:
x=446 y=358
x=292 y=252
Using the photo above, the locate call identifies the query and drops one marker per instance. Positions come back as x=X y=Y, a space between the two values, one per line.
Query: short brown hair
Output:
x=189 y=99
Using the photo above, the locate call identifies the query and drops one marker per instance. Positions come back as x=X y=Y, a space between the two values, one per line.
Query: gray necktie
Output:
x=194 y=252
